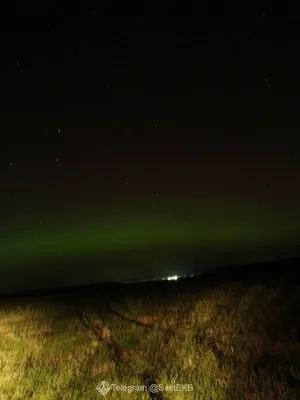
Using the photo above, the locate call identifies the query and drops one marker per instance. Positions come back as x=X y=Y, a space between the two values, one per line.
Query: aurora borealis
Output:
x=132 y=146
x=122 y=247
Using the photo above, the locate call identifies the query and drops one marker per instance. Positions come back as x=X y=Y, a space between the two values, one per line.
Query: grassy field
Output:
x=233 y=338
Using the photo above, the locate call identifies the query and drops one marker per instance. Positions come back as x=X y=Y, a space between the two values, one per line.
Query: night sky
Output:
x=131 y=145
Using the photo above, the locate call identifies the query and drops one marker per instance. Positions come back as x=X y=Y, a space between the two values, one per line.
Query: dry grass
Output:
x=232 y=341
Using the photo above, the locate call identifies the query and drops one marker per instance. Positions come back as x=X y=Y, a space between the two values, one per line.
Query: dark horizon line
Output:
x=220 y=271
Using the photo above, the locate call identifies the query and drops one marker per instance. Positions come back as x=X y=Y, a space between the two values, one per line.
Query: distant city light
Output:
x=173 y=278
x=167 y=278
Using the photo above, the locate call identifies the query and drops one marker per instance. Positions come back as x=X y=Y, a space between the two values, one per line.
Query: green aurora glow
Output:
x=141 y=232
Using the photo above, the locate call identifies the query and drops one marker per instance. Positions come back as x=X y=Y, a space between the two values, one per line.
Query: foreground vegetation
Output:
x=231 y=339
